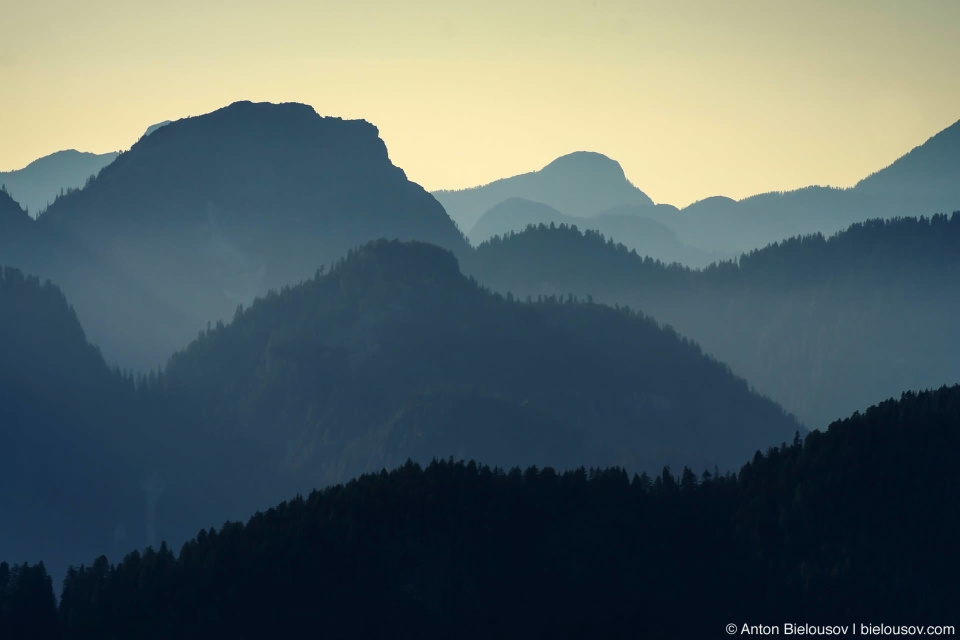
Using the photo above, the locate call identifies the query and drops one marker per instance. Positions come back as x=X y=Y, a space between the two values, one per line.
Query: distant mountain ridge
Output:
x=582 y=183
x=821 y=325
x=39 y=183
x=925 y=181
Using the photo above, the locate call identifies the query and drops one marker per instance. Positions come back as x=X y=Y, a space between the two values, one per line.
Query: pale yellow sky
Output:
x=693 y=97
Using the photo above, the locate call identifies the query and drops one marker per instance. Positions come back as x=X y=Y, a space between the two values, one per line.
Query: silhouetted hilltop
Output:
x=40 y=182
x=395 y=338
x=208 y=212
x=581 y=184
x=847 y=528
x=821 y=325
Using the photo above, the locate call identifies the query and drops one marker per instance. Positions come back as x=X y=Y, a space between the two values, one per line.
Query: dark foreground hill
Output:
x=206 y=213
x=821 y=325
x=846 y=528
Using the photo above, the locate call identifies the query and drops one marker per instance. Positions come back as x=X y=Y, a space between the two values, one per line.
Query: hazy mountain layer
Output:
x=392 y=355
x=580 y=184
x=396 y=354
x=820 y=325
x=627 y=223
x=925 y=181
x=843 y=529
x=40 y=183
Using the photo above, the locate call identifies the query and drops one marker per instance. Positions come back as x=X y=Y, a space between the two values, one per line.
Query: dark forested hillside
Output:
x=847 y=527
x=13 y=219
x=820 y=325
x=208 y=212
x=67 y=484
x=395 y=354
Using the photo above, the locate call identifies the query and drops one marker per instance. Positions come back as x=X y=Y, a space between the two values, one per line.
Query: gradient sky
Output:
x=693 y=97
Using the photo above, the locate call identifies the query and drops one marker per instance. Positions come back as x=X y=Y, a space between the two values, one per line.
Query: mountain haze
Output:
x=396 y=346
x=582 y=183
x=40 y=182
x=820 y=325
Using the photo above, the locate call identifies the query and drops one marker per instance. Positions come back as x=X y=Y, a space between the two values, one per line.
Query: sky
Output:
x=693 y=97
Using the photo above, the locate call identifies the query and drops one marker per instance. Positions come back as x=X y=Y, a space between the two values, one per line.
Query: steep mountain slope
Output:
x=930 y=171
x=39 y=183
x=847 y=528
x=396 y=346
x=581 y=184
x=820 y=325
x=12 y=215
x=208 y=212
x=627 y=223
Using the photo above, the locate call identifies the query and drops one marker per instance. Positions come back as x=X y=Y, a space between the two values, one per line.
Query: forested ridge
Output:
x=844 y=525
x=390 y=354
x=823 y=326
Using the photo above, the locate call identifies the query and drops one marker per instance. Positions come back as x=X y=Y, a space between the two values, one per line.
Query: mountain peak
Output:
x=582 y=183
x=586 y=164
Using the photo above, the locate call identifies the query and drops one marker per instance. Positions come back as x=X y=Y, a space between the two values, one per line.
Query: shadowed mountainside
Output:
x=208 y=212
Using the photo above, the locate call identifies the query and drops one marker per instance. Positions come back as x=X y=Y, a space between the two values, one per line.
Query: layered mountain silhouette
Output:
x=843 y=527
x=925 y=181
x=395 y=354
x=392 y=355
x=579 y=184
x=821 y=325
x=12 y=214
x=208 y=212
x=43 y=180
x=629 y=224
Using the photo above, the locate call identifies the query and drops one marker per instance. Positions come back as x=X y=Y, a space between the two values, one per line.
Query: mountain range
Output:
x=925 y=181
x=40 y=183
x=821 y=325
x=392 y=355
